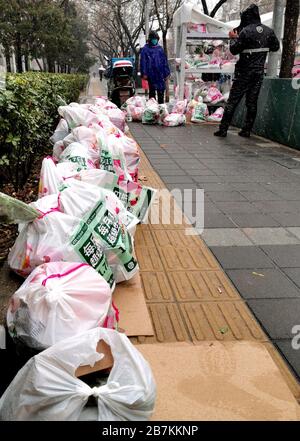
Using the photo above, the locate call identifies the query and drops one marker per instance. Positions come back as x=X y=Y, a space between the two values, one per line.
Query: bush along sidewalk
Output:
x=28 y=115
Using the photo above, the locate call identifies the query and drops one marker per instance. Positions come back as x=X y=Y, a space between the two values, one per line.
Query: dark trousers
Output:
x=248 y=84
x=152 y=93
x=101 y=75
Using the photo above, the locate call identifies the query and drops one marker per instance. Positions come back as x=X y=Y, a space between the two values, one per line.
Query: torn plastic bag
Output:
x=46 y=388
x=56 y=302
x=61 y=131
x=13 y=211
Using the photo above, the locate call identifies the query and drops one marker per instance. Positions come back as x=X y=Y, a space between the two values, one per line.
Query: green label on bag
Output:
x=108 y=229
x=87 y=247
x=122 y=195
x=106 y=161
x=80 y=160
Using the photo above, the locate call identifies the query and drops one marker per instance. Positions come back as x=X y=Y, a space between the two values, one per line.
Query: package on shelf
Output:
x=47 y=388
x=56 y=302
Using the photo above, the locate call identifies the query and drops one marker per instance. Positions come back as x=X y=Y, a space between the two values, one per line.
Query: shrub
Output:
x=28 y=115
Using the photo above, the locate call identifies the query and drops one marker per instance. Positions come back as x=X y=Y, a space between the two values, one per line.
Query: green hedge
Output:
x=28 y=115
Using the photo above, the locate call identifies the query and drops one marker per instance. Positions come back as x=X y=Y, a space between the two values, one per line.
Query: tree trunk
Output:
x=289 y=38
x=18 y=52
x=39 y=64
x=7 y=58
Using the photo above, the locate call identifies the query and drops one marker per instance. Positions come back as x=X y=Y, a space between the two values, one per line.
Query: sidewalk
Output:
x=252 y=215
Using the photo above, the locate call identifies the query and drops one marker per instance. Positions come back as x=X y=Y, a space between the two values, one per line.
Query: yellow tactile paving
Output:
x=157 y=287
x=201 y=285
x=221 y=321
x=186 y=258
x=188 y=295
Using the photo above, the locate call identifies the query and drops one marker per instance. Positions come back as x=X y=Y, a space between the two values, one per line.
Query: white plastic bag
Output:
x=174 y=119
x=199 y=113
x=56 y=301
x=77 y=154
x=117 y=117
x=46 y=388
x=151 y=112
x=61 y=131
x=217 y=115
x=83 y=223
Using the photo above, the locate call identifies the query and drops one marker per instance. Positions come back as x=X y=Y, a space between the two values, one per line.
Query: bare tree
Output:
x=289 y=38
x=215 y=9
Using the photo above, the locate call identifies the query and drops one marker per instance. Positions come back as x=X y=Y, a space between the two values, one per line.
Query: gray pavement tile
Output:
x=169 y=171
x=225 y=196
x=247 y=186
x=213 y=186
x=289 y=195
x=287 y=219
x=237 y=207
x=235 y=179
x=291 y=354
x=271 y=236
x=293 y=274
x=216 y=220
x=205 y=178
x=285 y=256
x=277 y=316
x=177 y=180
x=225 y=237
x=241 y=257
x=295 y=231
x=278 y=206
x=261 y=196
x=253 y=220
x=199 y=173
x=263 y=283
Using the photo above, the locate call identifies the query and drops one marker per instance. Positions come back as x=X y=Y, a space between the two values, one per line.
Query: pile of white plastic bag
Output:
x=74 y=244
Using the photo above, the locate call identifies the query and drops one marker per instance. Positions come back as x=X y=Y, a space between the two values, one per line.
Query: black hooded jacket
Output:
x=252 y=35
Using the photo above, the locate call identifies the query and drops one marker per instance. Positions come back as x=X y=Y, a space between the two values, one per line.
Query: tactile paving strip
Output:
x=201 y=285
x=188 y=295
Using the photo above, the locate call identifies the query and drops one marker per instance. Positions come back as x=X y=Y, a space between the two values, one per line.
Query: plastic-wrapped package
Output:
x=163 y=112
x=47 y=389
x=87 y=137
x=61 y=131
x=135 y=197
x=199 y=113
x=217 y=115
x=136 y=101
x=179 y=107
x=213 y=96
x=56 y=302
x=151 y=112
x=135 y=112
x=83 y=223
x=78 y=116
x=174 y=119
x=79 y=155
x=117 y=117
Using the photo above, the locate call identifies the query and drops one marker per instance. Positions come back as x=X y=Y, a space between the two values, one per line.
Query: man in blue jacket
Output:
x=154 y=67
x=252 y=41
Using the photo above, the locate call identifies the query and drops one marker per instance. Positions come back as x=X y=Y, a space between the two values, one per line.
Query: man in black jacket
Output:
x=252 y=41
